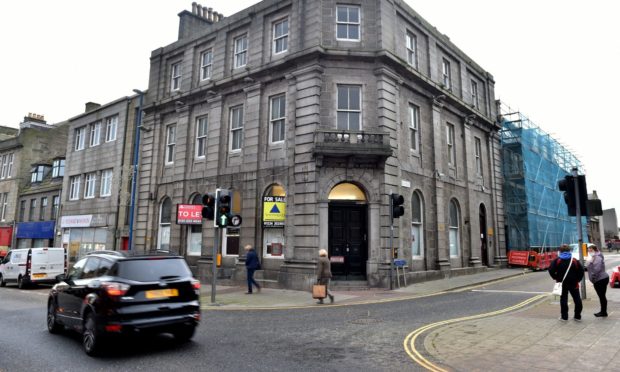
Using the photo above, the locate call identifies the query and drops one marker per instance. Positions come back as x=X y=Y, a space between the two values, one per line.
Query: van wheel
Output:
x=2 y=282
x=91 y=337
x=52 y=324
x=21 y=283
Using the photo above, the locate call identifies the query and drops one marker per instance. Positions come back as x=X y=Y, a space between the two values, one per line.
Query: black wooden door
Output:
x=347 y=241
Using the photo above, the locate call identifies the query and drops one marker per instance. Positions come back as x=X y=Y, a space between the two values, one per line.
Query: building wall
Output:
x=309 y=74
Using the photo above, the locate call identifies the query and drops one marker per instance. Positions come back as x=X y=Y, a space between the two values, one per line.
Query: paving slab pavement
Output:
x=532 y=339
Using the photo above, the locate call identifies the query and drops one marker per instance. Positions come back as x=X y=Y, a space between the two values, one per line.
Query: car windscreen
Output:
x=152 y=270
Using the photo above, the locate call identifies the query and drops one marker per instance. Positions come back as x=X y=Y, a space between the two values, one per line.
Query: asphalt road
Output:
x=350 y=338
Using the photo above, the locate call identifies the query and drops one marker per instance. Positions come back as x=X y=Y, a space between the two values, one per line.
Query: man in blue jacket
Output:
x=251 y=264
x=570 y=281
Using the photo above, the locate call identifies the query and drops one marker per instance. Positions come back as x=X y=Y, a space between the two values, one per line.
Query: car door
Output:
x=65 y=297
x=81 y=288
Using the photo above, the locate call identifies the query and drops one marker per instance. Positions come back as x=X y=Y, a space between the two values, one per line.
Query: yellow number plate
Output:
x=162 y=293
x=38 y=275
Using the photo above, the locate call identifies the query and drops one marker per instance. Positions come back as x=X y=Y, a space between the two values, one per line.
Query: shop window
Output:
x=194 y=233
x=230 y=246
x=163 y=240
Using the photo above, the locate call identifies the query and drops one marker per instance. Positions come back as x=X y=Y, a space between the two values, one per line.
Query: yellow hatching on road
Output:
x=409 y=342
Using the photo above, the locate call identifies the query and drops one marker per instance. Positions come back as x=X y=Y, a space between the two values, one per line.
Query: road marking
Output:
x=504 y=291
x=409 y=342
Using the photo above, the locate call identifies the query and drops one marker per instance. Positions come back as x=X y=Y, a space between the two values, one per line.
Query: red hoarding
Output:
x=189 y=214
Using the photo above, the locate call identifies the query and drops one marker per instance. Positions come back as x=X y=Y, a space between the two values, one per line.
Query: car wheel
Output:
x=21 y=283
x=91 y=337
x=52 y=324
x=2 y=282
x=184 y=333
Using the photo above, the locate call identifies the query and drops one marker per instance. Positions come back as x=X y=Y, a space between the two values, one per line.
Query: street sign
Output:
x=235 y=220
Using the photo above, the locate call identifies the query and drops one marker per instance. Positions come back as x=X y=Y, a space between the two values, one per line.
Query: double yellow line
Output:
x=409 y=343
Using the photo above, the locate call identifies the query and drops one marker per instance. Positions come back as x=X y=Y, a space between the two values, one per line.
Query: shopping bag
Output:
x=557 y=289
x=319 y=291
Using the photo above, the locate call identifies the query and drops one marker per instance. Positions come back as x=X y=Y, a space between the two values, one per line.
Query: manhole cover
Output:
x=365 y=321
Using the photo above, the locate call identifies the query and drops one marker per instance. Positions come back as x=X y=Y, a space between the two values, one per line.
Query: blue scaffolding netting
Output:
x=533 y=162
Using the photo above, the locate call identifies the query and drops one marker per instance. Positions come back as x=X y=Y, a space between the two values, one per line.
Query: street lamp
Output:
x=134 y=175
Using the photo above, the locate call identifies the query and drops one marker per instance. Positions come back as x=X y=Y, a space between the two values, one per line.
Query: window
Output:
x=446 y=74
x=478 y=154
x=111 y=125
x=58 y=168
x=43 y=208
x=163 y=241
x=95 y=134
x=194 y=233
x=175 y=77
x=55 y=206
x=206 y=64
x=241 y=51
x=22 y=210
x=9 y=169
x=450 y=143
x=5 y=163
x=349 y=107
x=474 y=94
x=412 y=44
x=236 y=128
x=202 y=125
x=106 y=183
x=170 y=143
x=417 y=230
x=33 y=208
x=89 y=186
x=454 y=229
x=5 y=203
x=414 y=125
x=348 y=22
x=280 y=36
x=274 y=240
x=74 y=187
x=79 y=138
x=36 y=174
x=277 y=118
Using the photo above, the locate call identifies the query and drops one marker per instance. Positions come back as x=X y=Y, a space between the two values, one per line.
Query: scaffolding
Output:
x=533 y=162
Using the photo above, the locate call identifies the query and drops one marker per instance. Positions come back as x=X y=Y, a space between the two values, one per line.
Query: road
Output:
x=365 y=337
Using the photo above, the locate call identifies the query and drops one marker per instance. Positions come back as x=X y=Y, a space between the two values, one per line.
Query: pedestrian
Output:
x=598 y=276
x=324 y=274
x=251 y=264
x=609 y=245
x=569 y=271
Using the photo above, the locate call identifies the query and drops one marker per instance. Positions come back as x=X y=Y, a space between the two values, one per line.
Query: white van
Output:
x=32 y=265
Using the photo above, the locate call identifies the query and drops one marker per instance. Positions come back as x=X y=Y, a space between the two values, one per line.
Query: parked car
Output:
x=27 y=266
x=106 y=295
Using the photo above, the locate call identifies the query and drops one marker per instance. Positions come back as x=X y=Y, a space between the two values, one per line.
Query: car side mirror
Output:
x=61 y=278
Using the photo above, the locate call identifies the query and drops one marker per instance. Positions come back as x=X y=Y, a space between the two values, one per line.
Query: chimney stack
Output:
x=90 y=106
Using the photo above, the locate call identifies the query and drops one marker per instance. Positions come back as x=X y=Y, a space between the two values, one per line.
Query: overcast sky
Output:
x=554 y=60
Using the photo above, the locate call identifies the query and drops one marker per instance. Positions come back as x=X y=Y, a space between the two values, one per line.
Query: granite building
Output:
x=313 y=113
x=97 y=178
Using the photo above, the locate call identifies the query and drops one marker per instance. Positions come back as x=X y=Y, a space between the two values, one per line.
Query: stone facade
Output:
x=97 y=180
x=371 y=96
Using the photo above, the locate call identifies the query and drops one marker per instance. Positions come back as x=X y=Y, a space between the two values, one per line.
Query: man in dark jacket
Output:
x=570 y=283
x=251 y=264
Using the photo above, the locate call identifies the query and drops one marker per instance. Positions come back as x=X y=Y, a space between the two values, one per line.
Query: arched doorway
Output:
x=347 y=232
x=484 y=254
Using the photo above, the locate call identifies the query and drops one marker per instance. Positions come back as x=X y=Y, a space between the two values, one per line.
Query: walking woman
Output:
x=598 y=276
x=251 y=264
x=569 y=271
x=324 y=274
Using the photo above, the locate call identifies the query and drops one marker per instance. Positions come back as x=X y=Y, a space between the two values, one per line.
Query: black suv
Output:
x=107 y=293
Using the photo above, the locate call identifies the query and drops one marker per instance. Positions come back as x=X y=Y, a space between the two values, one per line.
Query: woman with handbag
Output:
x=324 y=274
x=598 y=276
x=569 y=272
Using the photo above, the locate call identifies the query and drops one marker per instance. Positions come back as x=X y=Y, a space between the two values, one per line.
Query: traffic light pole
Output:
x=579 y=232
x=214 y=265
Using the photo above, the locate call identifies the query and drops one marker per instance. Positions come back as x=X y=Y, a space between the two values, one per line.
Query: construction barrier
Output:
x=531 y=259
x=614 y=280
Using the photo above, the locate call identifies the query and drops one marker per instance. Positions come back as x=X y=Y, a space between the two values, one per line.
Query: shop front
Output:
x=85 y=233
x=35 y=234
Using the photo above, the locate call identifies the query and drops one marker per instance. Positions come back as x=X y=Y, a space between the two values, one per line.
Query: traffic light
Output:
x=568 y=186
x=583 y=195
x=208 y=209
x=396 y=204
x=222 y=215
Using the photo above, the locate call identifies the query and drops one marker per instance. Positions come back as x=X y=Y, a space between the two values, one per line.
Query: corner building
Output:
x=321 y=109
